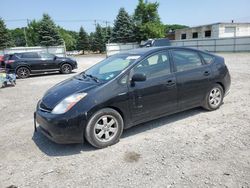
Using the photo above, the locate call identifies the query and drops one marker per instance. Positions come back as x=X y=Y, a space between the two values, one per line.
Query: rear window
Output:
x=207 y=58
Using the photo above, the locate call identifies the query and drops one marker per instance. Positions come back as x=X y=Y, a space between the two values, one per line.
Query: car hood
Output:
x=64 y=89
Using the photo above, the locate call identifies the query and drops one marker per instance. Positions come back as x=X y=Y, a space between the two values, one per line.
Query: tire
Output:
x=104 y=128
x=23 y=72
x=214 y=98
x=66 y=68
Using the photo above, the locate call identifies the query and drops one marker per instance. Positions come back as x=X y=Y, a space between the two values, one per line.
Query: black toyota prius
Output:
x=130 y=88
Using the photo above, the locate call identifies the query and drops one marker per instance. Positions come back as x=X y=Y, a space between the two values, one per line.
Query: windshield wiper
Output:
x=93 y=77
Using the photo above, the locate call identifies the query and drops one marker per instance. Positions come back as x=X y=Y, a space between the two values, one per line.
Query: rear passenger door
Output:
x=32 y=60
x=192 y=76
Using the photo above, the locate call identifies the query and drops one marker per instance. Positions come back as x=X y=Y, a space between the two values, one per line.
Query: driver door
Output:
x=158 y=94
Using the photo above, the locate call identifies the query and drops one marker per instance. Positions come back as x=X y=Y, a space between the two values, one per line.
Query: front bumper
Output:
x=58 y=128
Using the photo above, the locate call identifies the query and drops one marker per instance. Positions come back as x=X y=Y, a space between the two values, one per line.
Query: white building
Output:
x=216 y=30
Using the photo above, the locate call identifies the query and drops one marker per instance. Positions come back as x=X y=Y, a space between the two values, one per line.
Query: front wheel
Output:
x=104 y=128
x=214 y=98
x=66 y=68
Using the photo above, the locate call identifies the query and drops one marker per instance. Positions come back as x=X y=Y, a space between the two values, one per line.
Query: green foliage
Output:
x=48 y=33
x=123 y=30
x=107 y=31
x=32 y=33
x=173 y=27
x=151 y=30
x=92 y=44
x=147 y=21
x=98 y=39
x=69 y=37
x=5 y=37
x=83 y=40
x=18 y=36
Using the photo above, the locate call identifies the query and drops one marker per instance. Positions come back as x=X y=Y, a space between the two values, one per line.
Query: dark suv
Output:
x=24 y=64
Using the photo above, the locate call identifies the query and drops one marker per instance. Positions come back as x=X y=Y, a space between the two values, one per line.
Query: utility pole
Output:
x=25 y=36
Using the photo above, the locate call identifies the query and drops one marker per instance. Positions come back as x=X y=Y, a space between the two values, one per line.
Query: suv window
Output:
x=207 y=58
x=29 y=55
x=47 y=55
x=154 y=66
x=186 y=60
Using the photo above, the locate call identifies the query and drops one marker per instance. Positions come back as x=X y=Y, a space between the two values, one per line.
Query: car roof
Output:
x=149 y=50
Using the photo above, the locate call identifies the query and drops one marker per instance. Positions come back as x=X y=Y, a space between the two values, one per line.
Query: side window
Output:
x=207 y=58
x=186 y=60
x=30 y=55
x=154 y=66
x=46 y=55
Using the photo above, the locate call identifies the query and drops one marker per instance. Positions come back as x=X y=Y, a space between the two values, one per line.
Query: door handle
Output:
x=170 y=83
x=206 y=73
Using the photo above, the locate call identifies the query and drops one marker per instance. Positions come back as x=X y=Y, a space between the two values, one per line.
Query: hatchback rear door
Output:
x=192 y=75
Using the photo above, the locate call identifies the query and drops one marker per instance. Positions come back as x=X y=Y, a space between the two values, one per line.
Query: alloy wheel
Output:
x=215 y=97
x=106 y=128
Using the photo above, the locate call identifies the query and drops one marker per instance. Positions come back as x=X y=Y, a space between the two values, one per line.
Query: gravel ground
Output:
x=194 y=148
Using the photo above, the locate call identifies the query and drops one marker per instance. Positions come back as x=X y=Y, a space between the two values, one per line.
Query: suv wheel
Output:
x=66 y=68
x=104 y=128
x=214 y=98
x=23 y=72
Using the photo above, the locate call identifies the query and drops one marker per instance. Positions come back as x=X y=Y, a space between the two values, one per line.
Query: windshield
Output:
x=112 y=66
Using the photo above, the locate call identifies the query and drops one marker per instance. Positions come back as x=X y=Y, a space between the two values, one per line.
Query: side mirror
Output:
x=139 y=77
x=54 y=58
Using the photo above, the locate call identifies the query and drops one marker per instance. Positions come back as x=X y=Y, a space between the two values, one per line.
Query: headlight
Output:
x=67 y=103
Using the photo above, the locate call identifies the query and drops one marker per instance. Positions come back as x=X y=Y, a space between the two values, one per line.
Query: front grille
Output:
x=44 y=108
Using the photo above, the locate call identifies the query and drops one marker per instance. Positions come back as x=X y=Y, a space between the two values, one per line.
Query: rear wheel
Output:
x=214 y=98
x=23 y=72
x=66 y=68
x=104 y=128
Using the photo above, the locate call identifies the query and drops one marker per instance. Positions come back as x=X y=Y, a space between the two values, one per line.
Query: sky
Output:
x=71 y=14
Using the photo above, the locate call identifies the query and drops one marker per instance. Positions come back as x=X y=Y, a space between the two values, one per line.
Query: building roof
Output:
x=217 y=23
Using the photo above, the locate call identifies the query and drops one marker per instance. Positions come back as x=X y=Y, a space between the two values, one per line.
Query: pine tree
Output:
x=5 y=37
x=123 y=30
x=48 y=32
x=99 y=39
x=83 y=41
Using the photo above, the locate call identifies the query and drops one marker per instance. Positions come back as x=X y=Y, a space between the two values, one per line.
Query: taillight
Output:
x=9 y=61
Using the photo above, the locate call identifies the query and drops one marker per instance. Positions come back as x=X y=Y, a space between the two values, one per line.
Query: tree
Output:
x=173 y=27
x=69 y=37
x=48 y=33
x=123 y=30
x=18 y=36
x=83 y=41
x=5 y=37
x=107 y=33
x=32 y=33
x=99 y=39
x=92 y=45
x=147 y=21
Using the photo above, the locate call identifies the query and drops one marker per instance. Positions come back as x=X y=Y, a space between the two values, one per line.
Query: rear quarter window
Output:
x=207 y=58
x=186 y=60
